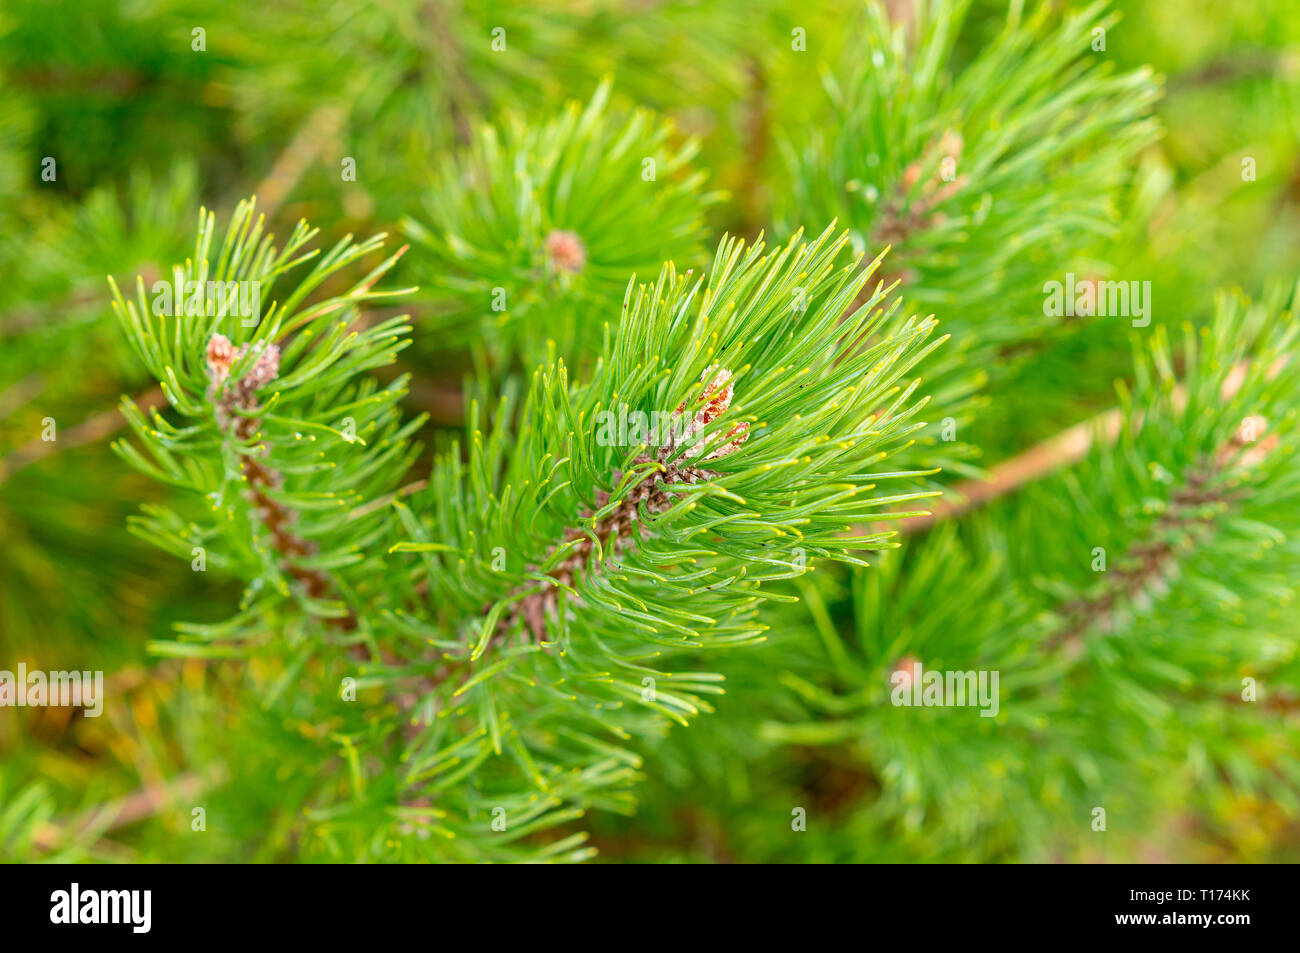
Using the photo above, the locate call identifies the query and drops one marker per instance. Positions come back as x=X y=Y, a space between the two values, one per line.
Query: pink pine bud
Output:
x=566 y=250
x=716 y=399
x=221 y=355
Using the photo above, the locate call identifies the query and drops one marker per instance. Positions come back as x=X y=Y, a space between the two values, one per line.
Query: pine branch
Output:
x=317 y=136
x=1124 y=597
x=1195 y=507
x=765 y=460
x=937 y=166
x=124 y=811
x=530 y=233
x=253 y=462
x=1041 y=460
x=91 y=430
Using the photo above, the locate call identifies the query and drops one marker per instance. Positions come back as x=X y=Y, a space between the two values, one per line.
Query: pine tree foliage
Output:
x=282 y=475
x=59 y=352
x=535 y=228
x=1113 y=624
x=948 y=169
x=650 y=590
x=1154 y=609
x=928 y=162
x=620 y=554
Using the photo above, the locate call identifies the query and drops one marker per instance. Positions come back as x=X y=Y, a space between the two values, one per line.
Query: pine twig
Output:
x=286 y=172
x=125 y=811
x=90 y=430
x=1067 y=447
x=620 y=529
x=311 y=140
x=1154 y=560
